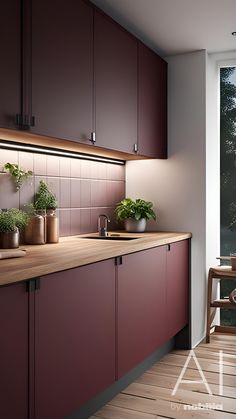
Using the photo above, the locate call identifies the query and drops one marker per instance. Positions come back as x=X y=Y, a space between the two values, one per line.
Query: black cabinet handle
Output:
x=93 y=137
x=25 y=121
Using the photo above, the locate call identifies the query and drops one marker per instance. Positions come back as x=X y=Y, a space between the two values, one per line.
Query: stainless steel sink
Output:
x=111 y=237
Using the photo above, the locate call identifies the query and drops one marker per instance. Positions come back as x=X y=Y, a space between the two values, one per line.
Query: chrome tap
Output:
x=103 y=231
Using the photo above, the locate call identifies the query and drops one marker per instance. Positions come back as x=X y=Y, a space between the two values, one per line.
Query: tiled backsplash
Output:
x=84 y=188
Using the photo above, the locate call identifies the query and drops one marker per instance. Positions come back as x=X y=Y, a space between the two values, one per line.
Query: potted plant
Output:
x=134 y=213
x=11 y=221
x=45 y=200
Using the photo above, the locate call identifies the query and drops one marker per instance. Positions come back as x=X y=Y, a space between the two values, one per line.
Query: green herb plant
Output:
x=136 y=209
x=19 y=175
x=12 y=219
x=44 y=198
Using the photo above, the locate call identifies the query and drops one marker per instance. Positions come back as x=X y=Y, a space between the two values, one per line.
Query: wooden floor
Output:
x=149 y=397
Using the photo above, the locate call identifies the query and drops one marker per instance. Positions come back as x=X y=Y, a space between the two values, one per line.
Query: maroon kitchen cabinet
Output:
x=152 y=104
x=141 y=311
x=10 y=69
x=14 y=338
x=115 y=69
x=177 y=283
x=62 y=69
x=75 y=338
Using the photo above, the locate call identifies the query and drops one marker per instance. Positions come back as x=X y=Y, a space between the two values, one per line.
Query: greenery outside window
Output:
x=228 y=178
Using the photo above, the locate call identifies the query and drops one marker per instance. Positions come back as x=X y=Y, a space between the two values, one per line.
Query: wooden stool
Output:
x=219 y=272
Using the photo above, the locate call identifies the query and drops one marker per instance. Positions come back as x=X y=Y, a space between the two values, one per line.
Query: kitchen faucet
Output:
x=103 y=231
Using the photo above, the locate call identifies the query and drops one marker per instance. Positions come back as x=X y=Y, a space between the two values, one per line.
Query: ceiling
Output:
x=177 y=26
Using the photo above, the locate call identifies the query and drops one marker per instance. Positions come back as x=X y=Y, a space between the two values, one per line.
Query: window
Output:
x=228 y=177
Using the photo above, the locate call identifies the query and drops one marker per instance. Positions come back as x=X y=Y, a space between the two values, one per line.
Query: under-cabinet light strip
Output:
x=57 y=152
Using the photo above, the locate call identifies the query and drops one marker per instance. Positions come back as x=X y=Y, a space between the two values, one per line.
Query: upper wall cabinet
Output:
x=62 y=69
x=152 y=104
x=69 y=71
x=10 y=70
x=115 y=60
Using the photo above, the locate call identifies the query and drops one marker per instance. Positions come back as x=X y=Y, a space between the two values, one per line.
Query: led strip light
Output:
x=57 y=152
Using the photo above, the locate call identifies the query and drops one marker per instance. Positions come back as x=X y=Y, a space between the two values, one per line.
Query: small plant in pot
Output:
x=11 y=221
x=134 y=213
x=46 y=201
x=44 y=198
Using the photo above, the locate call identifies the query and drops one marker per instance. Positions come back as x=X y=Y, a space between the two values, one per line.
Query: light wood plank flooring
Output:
x=149 y=397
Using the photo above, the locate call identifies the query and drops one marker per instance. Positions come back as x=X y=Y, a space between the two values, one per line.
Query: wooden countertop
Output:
x=75 y=251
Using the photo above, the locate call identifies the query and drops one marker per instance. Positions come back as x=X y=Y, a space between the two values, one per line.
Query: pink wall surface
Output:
x=84 y=188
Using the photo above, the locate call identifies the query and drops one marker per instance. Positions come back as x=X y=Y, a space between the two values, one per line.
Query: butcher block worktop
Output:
x=75 y=251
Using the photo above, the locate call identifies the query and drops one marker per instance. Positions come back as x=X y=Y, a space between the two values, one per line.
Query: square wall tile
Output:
x=115 y=171
x=65 y=193
x=94 y=174
x=98 y=170
x=98 y=193
x=26 y=161
x=111 y=193
x=64 y=222
x=9 y=197
x=85 y=193
x=53 y=166
x=85 y=221
x=75 y=167
x=75 y=223
x=64 y=163
x=7 y=156
x=85 y=166
x=40 y=164
x=27 y=192
x=119 y=191
x=75 y=193
x=102 y=170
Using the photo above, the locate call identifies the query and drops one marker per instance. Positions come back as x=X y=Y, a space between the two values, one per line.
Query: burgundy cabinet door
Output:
x=62 y=68
x=152 y=104
x=115 y=60
x=10 y=75
x=177 y=281
x=141 y=306
x=75 y=338
x=14 y=352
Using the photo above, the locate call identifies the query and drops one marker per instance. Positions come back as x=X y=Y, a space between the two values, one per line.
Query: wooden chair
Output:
x=218 y=273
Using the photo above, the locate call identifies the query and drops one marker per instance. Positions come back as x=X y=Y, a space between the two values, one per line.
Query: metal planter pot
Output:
x=10 y=240
x=134 y=226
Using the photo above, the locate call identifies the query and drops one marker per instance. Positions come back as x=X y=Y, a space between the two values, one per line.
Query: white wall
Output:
x=177 y=186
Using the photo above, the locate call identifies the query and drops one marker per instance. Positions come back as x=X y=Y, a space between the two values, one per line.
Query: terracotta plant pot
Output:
x=134 y=226
x=9 y=240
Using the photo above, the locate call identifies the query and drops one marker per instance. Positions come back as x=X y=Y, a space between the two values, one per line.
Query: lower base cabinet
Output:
x=75 y=332
x=152 y=301
x=74 y=338
x=141 y=307
x=14 y=352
